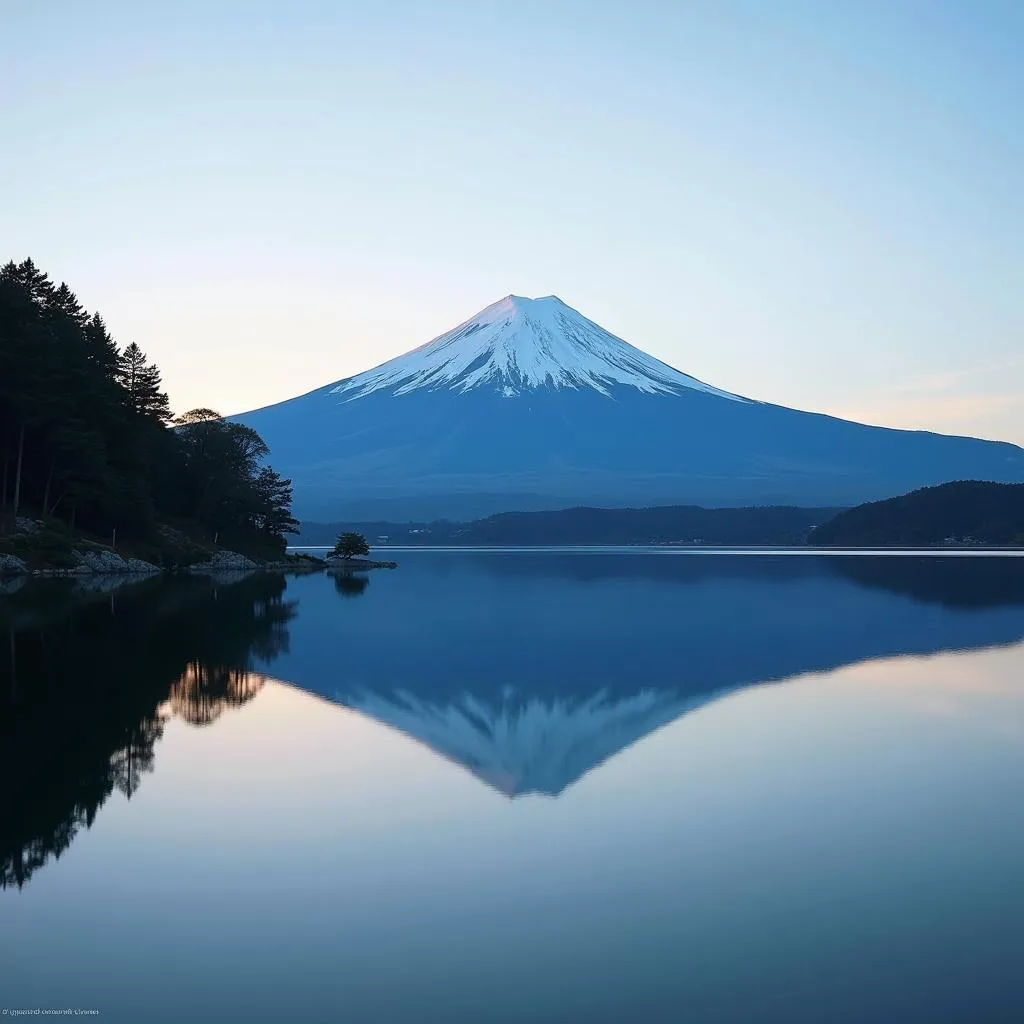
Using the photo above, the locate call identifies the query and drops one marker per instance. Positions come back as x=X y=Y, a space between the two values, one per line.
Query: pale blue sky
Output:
x=814 y=203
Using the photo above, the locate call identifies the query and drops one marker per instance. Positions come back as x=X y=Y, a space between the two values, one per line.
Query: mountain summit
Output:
x=529 y=405
x=517 y=344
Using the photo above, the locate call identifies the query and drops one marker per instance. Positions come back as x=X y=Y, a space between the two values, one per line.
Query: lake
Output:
x=572 y=786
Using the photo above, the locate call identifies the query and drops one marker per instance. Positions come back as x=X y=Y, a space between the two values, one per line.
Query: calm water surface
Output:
x=519 y=786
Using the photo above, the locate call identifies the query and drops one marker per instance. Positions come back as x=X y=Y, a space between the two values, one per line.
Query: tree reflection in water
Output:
x=90 y=683
x=203 y=694
x=349 y=584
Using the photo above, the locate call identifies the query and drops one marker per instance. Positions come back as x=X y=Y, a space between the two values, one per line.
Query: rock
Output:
x=231 y=560
x=110 y=561
x=11 y=566
x=225 y=561
x=23 y=525
x=103 y=561
x=99 y=561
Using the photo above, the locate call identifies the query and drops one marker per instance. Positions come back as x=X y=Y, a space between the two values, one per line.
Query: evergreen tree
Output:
x=100 y=348
x=142 y=383
x=275 y=496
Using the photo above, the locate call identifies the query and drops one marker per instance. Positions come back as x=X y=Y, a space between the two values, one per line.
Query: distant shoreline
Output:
x=950 y=551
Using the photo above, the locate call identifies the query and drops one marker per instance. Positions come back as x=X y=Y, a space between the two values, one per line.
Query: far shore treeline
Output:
x=961 y=513
x=687 y=524
x=88 y=438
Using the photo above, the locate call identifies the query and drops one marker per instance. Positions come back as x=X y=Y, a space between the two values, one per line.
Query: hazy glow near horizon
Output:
x=819 y=205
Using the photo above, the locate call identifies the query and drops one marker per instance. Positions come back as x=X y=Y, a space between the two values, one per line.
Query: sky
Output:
x=819 y=204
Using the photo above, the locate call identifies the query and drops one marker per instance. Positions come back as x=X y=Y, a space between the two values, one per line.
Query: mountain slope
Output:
x=529 y=405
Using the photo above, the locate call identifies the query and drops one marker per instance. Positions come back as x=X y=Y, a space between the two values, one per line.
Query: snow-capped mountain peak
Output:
x=517 y=344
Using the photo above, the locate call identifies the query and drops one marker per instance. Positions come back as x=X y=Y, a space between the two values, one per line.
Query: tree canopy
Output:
x=350 y=545
x=87 y=434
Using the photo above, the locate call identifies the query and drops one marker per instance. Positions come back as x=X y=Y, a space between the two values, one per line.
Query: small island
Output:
x=351 y=552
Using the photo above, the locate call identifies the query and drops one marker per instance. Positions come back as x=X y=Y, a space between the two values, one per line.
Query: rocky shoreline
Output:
x=89 y=563
x=48 y=555
x=109 y=563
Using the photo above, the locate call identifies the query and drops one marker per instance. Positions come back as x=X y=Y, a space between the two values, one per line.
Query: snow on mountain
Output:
x=519 y=343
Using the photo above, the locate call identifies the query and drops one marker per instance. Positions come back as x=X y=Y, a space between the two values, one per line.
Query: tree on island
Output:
x=350 y=545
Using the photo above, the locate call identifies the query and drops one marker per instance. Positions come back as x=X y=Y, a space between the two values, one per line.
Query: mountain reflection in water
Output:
x=555 y=662
x=528 y=670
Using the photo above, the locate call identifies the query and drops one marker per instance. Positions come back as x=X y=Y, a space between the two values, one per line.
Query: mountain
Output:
x=530 y=406
x=961 y=512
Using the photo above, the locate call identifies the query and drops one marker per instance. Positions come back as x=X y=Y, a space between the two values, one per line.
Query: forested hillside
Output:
x=87 y=436
x=962 y=512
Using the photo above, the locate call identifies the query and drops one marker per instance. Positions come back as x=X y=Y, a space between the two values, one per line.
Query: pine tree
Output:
x=275 y=496
x=101 y=350
x=142 y=383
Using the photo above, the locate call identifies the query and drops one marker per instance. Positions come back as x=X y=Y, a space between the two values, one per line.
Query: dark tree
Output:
x=141 y=382
x=351 y=545
x=275 y=498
